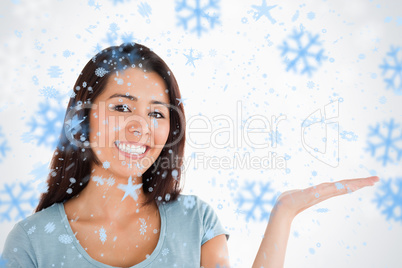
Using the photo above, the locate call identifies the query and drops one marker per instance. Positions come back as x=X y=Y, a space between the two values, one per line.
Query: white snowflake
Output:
x=165 y=251
x=101 y=72
x=65 y=239
x=32 y=229
x=102 y=235
x=49 y=228
x=189 y=201
x=143 y=228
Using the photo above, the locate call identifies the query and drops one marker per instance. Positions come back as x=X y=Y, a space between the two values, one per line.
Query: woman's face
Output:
x=130 y=116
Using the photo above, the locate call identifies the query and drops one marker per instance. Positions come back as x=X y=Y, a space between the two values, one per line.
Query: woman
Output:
x=114 y=188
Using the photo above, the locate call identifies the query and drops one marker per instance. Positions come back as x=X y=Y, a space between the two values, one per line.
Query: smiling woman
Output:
x=109 y=201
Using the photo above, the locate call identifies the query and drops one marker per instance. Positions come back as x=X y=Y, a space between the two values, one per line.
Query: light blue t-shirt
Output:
x=45 y=239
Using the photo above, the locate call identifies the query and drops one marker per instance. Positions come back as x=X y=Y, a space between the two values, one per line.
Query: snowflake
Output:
x=73 y=124
x=130 y=189
x=100 y=72
x=310 y=84
x=127 y=37
x=67 y=53
x=303 y=52
x=275 y=137
x=390 y=142
x=197 y=12
x=232 y=184
x=117 y=1
x=263 y=10
x=106 y=165
x=394 y=65
x=143 y=228
x=50 y=227
x=255 y=200
x=102 y=235
x=348 y=135
x=3 y=146
x=114 y=28
x=311 y=15
x=46 y=125
x=390 y=199
x=21 y=201
x=144 y=9
x=190 y=58
x=65 y=239
x=54 y=71
x=165 y=251
x=31 y=230
x=189 y=201
x=49 y=92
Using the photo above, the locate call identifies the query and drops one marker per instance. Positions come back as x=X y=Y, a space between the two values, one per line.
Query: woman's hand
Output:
x=295 y=201
x=271 y=253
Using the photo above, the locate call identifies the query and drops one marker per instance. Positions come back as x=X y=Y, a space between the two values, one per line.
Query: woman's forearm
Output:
x=271 y=253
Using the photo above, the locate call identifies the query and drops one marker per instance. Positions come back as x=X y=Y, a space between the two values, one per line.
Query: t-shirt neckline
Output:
x=142 y=264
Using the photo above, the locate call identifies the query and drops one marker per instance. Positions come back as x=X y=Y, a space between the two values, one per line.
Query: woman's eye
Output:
x=156 y=113
x=121 y=108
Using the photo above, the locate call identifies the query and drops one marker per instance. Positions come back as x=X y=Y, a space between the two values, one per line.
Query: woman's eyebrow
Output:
x=133 y=98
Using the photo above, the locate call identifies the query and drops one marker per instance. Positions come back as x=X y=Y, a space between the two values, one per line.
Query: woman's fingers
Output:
x=298 y=200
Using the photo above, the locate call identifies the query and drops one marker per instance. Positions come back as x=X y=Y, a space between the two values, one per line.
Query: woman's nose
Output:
x=139 y=127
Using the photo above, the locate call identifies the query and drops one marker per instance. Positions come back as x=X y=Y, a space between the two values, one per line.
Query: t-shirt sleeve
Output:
x=18 y=251
x=210 y=221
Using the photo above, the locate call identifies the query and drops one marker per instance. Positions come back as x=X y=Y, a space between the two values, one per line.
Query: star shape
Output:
x=190 y=58
x=263 y=10
x=130 y=189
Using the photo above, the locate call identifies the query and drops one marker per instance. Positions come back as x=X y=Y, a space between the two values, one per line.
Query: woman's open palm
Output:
x=295 y=201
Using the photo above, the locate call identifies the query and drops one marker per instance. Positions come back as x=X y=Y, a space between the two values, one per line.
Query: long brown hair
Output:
x=70 y=167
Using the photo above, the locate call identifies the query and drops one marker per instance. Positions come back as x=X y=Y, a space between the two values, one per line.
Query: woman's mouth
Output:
x=132 y=150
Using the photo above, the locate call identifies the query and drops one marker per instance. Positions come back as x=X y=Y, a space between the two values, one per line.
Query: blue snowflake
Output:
x=394 y=66
x=54 y=71
x=348 y=135
x=117 y=1
x=3 y=146
x=16 y=204
x=303 y=51
x=127 y=37
x=46 y=125
x=310 y=84
x=275 y=137
x=198 y=13
x=40 y=171
x=49 y=92
x=67 y=53
x=390 y=142
x=389 y=199
x=190 y=58
x=256 y=200
x=144 y=9
x=263 y=10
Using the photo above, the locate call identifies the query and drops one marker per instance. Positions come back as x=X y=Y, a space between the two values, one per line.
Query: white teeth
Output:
x=132 y=149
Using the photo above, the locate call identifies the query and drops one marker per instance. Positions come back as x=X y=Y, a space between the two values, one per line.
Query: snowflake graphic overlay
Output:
x=47 y=124
x=308 y=49
x=250 y=200
x=197 y=13
x=263 y=10
x=16 y=204
x=3 y=146
x=389 y=199
x=390 y=141
x=393 y=64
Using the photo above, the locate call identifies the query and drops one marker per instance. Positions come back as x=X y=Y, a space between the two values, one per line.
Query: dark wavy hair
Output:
x=70 y=167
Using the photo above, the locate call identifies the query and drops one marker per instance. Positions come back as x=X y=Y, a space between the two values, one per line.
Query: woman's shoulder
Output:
x=49 y=214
